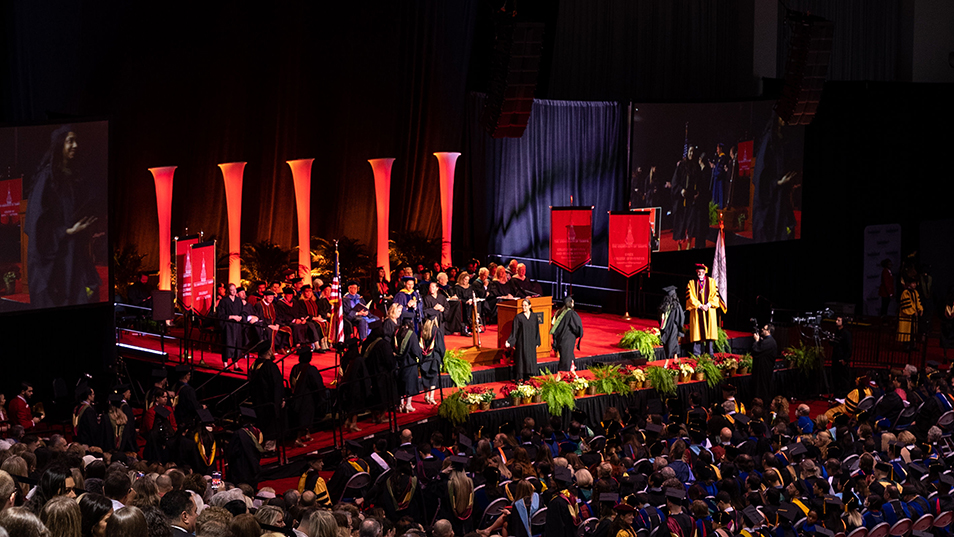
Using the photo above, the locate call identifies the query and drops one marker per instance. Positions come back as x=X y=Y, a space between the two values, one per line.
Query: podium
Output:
x=508 y=309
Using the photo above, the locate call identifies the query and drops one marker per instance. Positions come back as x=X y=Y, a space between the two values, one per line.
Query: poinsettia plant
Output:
x=575 y=381
x=477 y=394
x=635 y=374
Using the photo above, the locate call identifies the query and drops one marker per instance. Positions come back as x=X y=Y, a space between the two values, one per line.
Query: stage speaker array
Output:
x=809 y=55
x=162 y=309
x=516 y=62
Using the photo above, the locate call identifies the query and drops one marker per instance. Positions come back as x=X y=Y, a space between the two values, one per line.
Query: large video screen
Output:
x=53 y=216
x=699 y=161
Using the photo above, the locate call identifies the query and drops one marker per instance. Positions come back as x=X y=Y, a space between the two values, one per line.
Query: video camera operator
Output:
x=764 y=353
x=840 y=357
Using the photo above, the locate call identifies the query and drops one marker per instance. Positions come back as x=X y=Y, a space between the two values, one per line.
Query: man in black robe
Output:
x=186 y=403
x=567 y=330
x=524 y=340
x=312 y=330
x=128 y=441
x=268 y=325
x=231 y=314
x=563 y=513
x=286 y=310
x=773 y=217
x=764 y=353
x=351 y=465
x=244 y=451
x=86 y=420
x=672 y=318
x=683 y=190
x=267 y=388
x=308 y=395
x=452 y=318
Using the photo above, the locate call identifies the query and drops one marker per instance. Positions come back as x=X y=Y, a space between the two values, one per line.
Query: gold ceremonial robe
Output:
x=703 y=325
x=908 y=314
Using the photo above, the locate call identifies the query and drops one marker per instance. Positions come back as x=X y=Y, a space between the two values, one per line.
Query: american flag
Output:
x=685 y=146
x=718 y=267
x=336 y=299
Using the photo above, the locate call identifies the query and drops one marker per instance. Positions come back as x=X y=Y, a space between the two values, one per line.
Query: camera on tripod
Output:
x=755 y=325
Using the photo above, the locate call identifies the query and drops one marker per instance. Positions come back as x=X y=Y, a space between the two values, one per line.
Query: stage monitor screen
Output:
x=53 y=216
x=697 y=161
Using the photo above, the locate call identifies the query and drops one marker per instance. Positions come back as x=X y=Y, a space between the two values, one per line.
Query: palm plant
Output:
x=355 y=258
x=266 y=261
x=127 y=264
x=413 y=248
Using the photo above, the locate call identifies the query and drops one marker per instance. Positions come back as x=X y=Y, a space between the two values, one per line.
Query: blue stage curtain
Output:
x=570 y=148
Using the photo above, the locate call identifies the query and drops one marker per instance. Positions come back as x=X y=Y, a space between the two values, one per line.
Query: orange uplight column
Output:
x=447 y=163
x=232 y=172
x=382 y=195
x=163 y=178
x=301 y=175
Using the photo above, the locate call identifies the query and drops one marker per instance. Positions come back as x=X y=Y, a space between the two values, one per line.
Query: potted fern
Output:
x=709 y=370
x=662 y=379
x=608 y=379
x=454 y=409
x=557 y=394
x=745 y=364
x=636 y=377
x=722 y=344
x=459 y=370
x=804 y=359
x=644 y=341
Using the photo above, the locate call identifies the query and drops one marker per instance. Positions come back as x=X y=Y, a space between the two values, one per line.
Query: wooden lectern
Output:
x=508 y=309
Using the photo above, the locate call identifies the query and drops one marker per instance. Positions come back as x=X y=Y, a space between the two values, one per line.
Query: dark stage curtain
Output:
x=662 y=50
x=261 y=83
x=868 y=38
x=569 y=149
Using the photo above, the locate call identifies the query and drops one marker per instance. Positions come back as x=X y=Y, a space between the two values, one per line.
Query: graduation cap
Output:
x=459 y=461
x=352 y=282
x=842 y=420
x=205 y=416
x=728 y=388
x=653 y=428
x=405 y=456
x=675 y=494
x=669 y=289
x=731 y=451
x=563 y=474
x=247 y=413
x=354 y=447
x=182 y=369
x=883 y=467
x=834 y=501
x=823 y=532
x=789 y=511
x=288 y=290
x=591 y=458
x=700 y=266
x=598 y=443
x=722 y=517
x=908 y=490
x=947 y=480
x=159 y=374
x=752 y=515
x=609 y=497
x=916 y=470
x=465 y=441
x=578 y=416
x=742 y=418
x=306 y=286
x=624 y=508
x=268 y=292
x=877 y=487
x=406 y=278
x=796 y=449
x=324 y=286
x=294 y=280
x=116 y=399
x=507 y=428
x=162 y=412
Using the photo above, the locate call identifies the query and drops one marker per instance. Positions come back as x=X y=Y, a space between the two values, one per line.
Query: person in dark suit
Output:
x=180 y=510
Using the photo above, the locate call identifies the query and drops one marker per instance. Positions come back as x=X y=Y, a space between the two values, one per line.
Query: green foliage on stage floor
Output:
x=460 y=370
x=803 y=358
x=663 y=380
x=640 y=340
x=454 y=409
x=745 y=362
x=557 y=394
x=709 y=369
x=609 y=379
x=722 y=344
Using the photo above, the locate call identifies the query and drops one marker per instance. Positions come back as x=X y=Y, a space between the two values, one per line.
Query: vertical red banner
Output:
x=571 y=236
x=629 y=235
x=184 y=270
x=203 y=277
x=10 y=195
x=745 y=157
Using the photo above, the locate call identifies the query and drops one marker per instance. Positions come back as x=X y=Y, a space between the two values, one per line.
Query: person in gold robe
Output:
x=702 y=301
x=909 y=312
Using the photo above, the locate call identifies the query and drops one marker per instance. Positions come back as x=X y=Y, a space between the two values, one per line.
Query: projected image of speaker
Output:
x=53 y=215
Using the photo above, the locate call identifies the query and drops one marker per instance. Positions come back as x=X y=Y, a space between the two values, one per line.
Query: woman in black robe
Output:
x=467 y=296
x=567 y=329
x=432 y=351
x=308 y=389
x=400 y=494
x=497 y=290
x=355 y=384
x=409 y=356
x=379 y=356
x=524 y=340
x=672 y=317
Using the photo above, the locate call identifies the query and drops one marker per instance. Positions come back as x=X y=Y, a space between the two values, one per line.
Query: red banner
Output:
x=203 y=277
x=745 y=157
x=571 y=236
x=629 y=235
x=10 y=200
x=184 y=270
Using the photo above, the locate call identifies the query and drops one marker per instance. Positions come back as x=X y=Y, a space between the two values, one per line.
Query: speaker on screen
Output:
x=162 y=309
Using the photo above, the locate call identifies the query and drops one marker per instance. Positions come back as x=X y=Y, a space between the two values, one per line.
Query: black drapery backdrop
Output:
x=568 y=149
x=261 y=83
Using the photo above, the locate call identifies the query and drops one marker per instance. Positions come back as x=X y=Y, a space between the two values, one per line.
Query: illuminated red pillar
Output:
x=163 y=178
x=382 y=194
x=447 y=163
x=301 y=175
x=232 y=173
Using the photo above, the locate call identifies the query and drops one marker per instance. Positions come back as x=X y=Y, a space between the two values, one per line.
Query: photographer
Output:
x=840 y=357
x=764 y=353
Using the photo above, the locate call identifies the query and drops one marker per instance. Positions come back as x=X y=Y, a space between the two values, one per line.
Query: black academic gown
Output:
x=356 y=387
x=409 y=357
x=764 y=352
x=187 y=405
x=565 y=336
x=671 y=329
x=231 y=330
x=467 y=310
x=267 y=389
x=381 y=364
x=344 y=472
x=244 y=454
x=559 y=519
x=88 y=428
x=682 y=180
x=524 y=339
x=128 y=440
x=159 y=440
x=432 y=359
x=390 y=495
x=453 y=321
x=308 y=394
x=268 y=314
